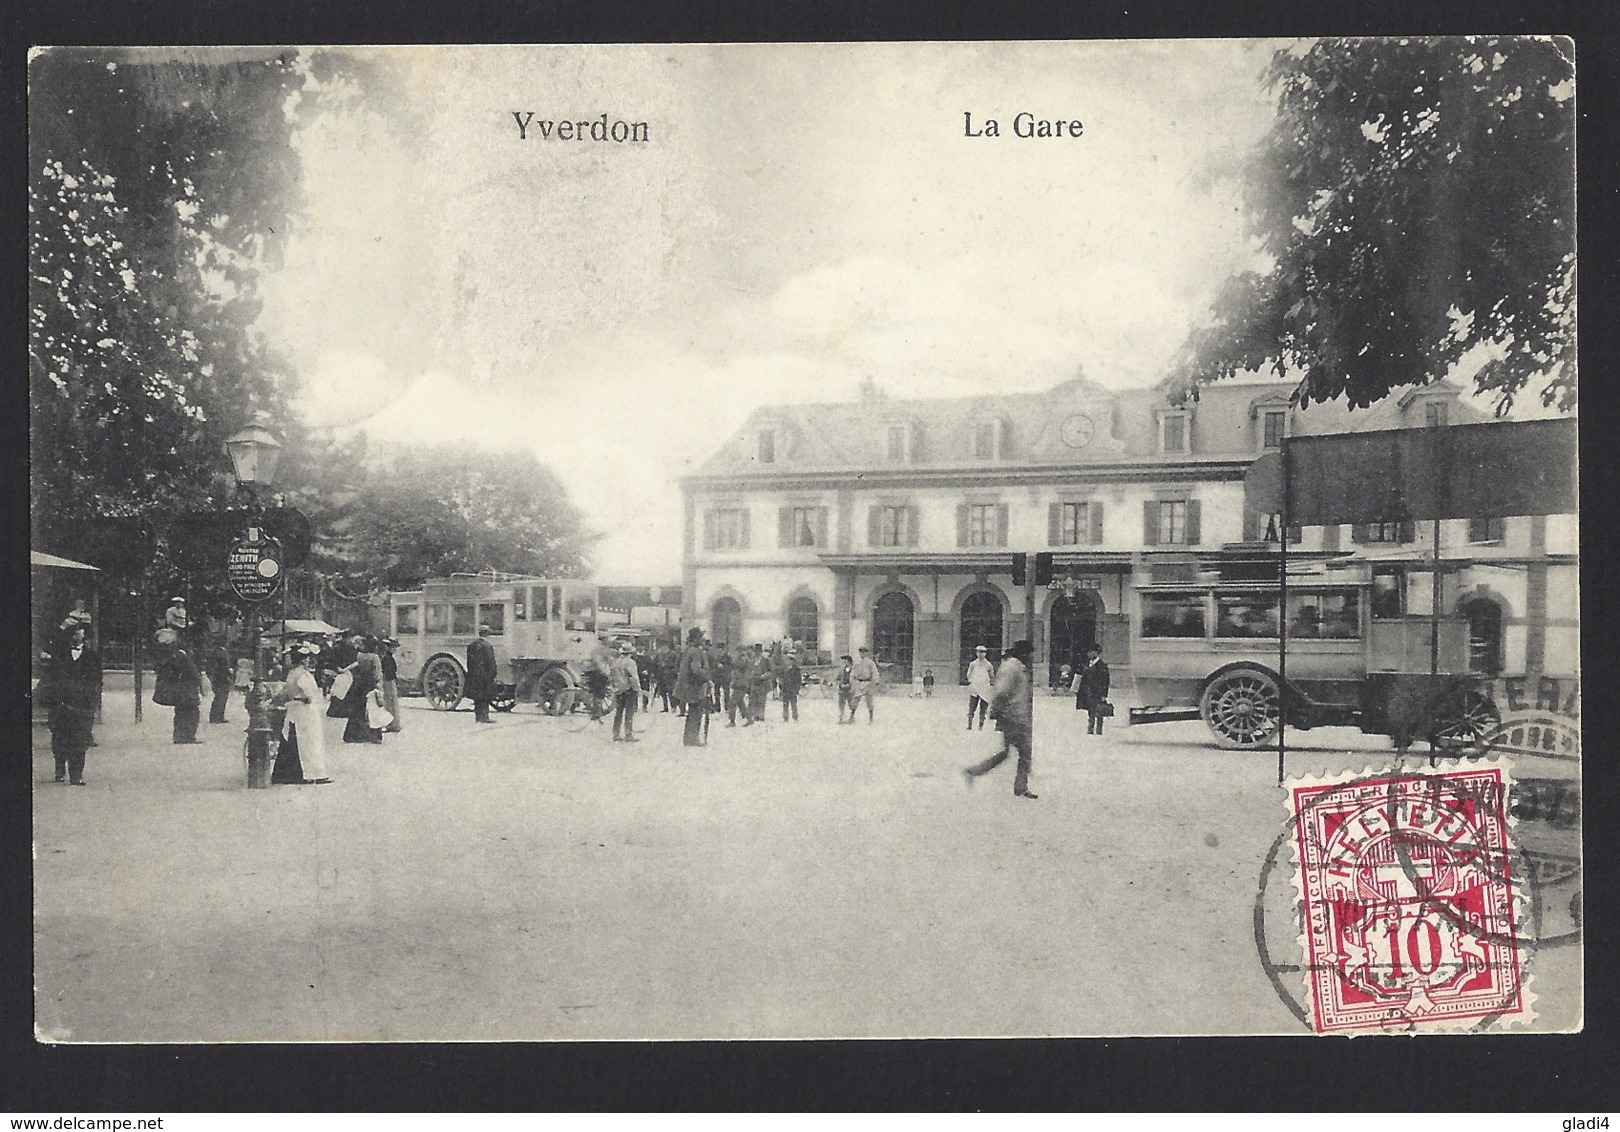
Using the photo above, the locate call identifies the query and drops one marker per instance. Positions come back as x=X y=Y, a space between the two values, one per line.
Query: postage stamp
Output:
x=1409 y=905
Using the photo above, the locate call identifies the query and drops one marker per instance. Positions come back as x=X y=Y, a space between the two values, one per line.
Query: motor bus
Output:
x=1211 y=648
x=543 y=630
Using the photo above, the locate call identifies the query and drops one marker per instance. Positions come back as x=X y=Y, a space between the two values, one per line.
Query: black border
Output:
x=1566 y=1074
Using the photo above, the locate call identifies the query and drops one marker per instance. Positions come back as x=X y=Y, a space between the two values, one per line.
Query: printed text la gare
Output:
x=1024 y=125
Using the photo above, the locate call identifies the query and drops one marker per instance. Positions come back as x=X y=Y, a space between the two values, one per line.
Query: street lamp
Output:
x=254 y=452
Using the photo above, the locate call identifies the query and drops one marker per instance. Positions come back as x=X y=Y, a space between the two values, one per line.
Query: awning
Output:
x=304 y=628
x=39 y=558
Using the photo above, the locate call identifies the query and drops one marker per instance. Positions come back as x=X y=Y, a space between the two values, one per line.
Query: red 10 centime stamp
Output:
x=1408 y=901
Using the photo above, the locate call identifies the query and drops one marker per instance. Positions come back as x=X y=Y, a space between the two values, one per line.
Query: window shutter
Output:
x=742 y=529
x=874 y=526
x=961 y=524
x=1094 y=511
x=1330 y=537
x=821 y=526
x=708 y=530
x=916 y=452
x=1192 y=522
x=1003 y=439
x=1358 y=532
x=784 y=526
x=1001 y=524
x=1408 y=533
x=911 y=526
x=1251 y=525
x=1150 y=522
x=1054 y=523
x=1296 y=534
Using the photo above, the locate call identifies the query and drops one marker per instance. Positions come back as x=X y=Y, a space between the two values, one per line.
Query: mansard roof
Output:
x=854 y=435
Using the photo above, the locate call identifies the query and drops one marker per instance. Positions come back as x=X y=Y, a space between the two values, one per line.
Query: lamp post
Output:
x=255 y=575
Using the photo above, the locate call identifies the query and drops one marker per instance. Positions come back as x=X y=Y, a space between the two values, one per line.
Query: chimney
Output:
x=869 y=390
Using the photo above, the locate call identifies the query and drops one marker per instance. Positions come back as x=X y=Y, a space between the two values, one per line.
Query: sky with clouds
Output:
x=802 y=217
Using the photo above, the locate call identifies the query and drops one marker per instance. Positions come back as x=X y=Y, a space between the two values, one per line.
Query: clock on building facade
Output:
x=1078 y=430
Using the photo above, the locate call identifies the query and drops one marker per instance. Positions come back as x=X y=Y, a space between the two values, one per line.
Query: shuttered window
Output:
x=801 y=526
x=892 y=525
x=1074 y=524
x=725 y=528
x=1171 y=522
x=1384 y=532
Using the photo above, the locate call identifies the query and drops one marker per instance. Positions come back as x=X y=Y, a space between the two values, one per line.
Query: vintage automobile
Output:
x=1211 y=648
x=543 y=631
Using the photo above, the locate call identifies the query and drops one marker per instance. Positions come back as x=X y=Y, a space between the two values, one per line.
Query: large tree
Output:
x=1415 y=200
x=162 y=185
x=430 y=512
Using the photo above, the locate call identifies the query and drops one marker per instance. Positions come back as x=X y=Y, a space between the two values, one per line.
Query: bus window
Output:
x=463 y=619
x=407 y=620
x=493 y=614
x=1245 y=615
x=581 y=613
x=520 y=607
x=1332 y=616
x=1388 y=592
x=538 y=602
x=437 y=619
x=1172 y=615
x=556 y=603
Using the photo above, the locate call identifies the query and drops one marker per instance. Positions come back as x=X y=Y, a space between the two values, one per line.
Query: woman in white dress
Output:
x=306 y=713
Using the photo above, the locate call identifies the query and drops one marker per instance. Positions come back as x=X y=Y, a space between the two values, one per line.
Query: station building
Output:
x=892 y=523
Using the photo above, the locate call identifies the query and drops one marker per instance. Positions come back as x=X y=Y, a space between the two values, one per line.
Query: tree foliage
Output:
x=157 y=187
x=431 y=512
x=1416 y=200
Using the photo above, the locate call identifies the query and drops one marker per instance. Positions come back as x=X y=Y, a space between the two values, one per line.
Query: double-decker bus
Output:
x=542 y=631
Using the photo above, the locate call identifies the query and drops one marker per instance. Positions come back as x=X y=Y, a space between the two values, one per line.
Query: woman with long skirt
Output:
x=367 y=679
x=306 y=712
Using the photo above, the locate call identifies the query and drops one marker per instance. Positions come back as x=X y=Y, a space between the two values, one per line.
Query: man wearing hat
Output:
x=692 y=686
x=626 y=679
x=846 y=689
x=481 y=674
x=175 y=616
x=979 y=675
x=71 y=689
x=1010 y=702
x=863 y=680
x=390 y=684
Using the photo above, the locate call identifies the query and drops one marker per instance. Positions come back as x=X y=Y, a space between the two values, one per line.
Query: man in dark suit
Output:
x=1091 y=690
x=481 y=674
x=216 y=665
x=692 y=679
x=72 y=682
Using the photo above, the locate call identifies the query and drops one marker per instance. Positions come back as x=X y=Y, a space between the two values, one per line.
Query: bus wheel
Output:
x=556 y=695
x=442 y=683
x=1460 y=720
x=1241 y=708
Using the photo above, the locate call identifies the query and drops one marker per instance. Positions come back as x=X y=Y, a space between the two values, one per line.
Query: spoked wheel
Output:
x=1242 y=708
x=1461 y=720
x=585 y=710
x=443 y=682
x=556 y=693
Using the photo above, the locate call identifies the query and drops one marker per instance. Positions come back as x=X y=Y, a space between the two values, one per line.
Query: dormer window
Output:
x=990 y=439
x=1435 y=414
x=902 y=442
x=767 y=446
x=1273 y=427
x=1174 y=426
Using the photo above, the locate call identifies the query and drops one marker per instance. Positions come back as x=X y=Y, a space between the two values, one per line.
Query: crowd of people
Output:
x=355 y=678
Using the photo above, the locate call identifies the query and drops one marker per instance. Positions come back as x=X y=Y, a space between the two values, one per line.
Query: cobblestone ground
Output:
x=516 y=881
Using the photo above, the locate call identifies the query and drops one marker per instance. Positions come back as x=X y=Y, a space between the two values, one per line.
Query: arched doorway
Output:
x=1484 y=635
x=804 y=623
x=981 y=625
x=1073 y=630
x=893 y=632
x=726 y=617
